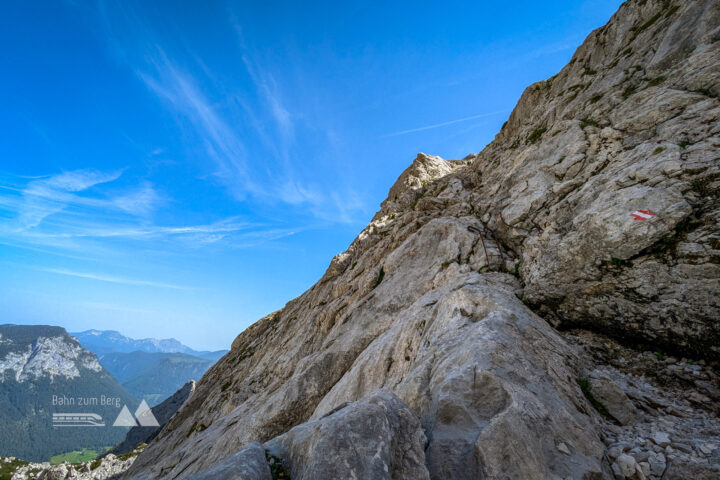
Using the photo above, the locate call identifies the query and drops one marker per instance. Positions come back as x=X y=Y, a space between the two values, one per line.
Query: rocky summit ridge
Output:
x=508 y=315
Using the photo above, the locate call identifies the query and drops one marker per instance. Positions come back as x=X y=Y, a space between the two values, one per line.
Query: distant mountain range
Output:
x=148 y=368
x=44 y=371
x=107 y=341
x=154 y=376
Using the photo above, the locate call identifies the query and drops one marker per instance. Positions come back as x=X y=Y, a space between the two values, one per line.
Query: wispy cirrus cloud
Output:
x=272 y=181
x=35 y=200
x=46 y=196
x=275 y=180
x=113 y=279
x=140 y=201
x=268 y=90
x=82 y=213
x=180 y=90
x=245 y=128
x=443 y=124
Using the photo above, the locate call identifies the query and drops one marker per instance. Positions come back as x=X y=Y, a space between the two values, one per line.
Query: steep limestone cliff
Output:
x=631 y=123
x=424 y=350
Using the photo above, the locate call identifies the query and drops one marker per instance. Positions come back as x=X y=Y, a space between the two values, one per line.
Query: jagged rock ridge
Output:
x=420 y=317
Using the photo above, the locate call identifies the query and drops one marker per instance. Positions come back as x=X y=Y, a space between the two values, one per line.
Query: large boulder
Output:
x=611 y=396
x=248 y=463
x=376 y=437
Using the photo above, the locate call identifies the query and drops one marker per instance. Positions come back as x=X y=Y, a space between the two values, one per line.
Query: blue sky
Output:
x=180 y=169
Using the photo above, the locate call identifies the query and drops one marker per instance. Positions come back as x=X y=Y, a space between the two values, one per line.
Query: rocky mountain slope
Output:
x=44 y=371
x=437 y=346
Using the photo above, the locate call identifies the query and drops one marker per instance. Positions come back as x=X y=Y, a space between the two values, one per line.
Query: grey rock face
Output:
x=249 y=463
x=631 y=123
x=421 y=305
x=487 y=378
x=48 y=356
x=376 y=437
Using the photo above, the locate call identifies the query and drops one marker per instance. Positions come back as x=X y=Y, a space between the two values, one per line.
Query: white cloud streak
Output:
x=69 y=214
x=113 y=279
x=44 y=197
x=443 y=124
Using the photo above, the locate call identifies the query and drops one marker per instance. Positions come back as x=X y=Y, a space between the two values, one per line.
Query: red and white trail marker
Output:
x=642 y=215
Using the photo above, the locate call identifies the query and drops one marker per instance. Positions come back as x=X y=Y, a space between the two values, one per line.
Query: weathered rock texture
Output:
x=660 y=412
x=422 y=306
x=376 y=437
x=249 y=463
x=631 y=123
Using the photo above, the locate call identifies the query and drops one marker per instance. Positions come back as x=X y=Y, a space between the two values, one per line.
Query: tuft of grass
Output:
x=655 y=81
x=77 y=456
x=584 y=384
x=126 y=455
x=658 y=150
x=195 y=428
x=535 y=135
x=628 y=91
x=672 y=11
x=641 y=28
x=667 y=246
x=618 y=262
x=95 y=464
x=588 y=122
x=8 y=468
x=704 y=91
x=701 y=186
x=660 y=355
x=277 y=469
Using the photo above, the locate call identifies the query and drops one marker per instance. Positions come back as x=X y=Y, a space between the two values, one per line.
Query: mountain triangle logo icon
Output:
x=143 y=414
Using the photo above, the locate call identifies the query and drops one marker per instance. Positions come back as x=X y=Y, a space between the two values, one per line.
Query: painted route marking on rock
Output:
x=642 y=214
